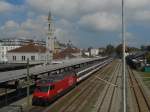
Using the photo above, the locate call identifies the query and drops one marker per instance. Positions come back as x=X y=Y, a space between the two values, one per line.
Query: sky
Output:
x=87 y=23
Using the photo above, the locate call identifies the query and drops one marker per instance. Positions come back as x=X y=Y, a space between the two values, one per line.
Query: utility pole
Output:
x=123 y=60
x=28 y=84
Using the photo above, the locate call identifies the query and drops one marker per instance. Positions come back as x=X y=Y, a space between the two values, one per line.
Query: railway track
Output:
x=97 y=86
x=113 y=90
x=100 y=87
x=36 y=109
x=86 y=93
x=106 y=99
x=141 y=101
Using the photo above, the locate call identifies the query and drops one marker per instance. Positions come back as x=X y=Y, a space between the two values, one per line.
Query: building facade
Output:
x=35 y=54
x=94 y=52
x=6 y=45
x=10 y=44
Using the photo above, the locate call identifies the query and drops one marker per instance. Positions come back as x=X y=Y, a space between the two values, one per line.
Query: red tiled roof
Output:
x=71 y=50
x=62 y=55
x=66 y=53
x=30 y=48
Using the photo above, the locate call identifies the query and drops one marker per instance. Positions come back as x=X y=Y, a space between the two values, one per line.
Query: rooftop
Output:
x=30 y=48
x=68 y=52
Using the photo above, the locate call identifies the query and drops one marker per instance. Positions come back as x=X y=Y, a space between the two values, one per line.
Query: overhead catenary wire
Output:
x=107 y=82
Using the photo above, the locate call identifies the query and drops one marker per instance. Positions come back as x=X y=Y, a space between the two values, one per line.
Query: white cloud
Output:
x=29 y=28
x=130 y=39
x=4 y=7
x=101 y=22
x=99 y=5
x=62 y=34
x=10 y=25
x=12 y=29
x=31 y=24
x=65 y=24
x=35 y=27
x=73 y=8
x=128 y=36
x=109 y=11
x=70 y=7
x=66 y=8
x=143 y=16
x=137 y=4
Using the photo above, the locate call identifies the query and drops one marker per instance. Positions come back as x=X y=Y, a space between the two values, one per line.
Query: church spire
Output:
x=49 y=16
x=50 y=22
x=50 y=38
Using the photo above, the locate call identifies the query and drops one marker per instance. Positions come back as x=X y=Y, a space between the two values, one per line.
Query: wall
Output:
x=39 y=57
x=3 y=52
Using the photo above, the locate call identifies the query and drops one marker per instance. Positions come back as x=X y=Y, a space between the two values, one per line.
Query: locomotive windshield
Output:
x=42 y=88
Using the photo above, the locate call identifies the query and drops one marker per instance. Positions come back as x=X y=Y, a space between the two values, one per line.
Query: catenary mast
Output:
x=123 y=60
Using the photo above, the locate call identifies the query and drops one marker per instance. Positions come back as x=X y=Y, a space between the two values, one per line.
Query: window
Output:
x=14 y=58
x=42 y=88
x=23 y=58
x=32 y=58
x=2 y=54
x=52 y=87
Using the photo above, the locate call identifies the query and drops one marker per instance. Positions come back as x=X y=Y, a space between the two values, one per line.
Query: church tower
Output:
x=50 y=38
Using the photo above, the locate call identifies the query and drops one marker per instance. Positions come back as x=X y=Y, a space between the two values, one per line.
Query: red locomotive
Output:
x=50 y=88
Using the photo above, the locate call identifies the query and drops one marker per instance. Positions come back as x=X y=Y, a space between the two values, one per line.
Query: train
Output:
x=133 y=62
x=50 y=88
x=136 y=61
